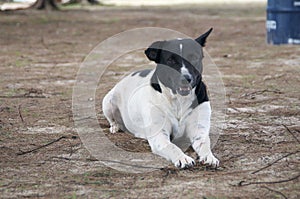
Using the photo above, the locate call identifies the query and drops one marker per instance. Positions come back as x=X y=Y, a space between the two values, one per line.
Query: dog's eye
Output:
x=193 y=58
x=171 y=61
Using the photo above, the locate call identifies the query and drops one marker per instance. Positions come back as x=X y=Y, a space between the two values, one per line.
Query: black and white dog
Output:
x=168 y=105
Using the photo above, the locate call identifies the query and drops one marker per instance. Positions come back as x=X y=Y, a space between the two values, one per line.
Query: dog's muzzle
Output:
x=184 y=87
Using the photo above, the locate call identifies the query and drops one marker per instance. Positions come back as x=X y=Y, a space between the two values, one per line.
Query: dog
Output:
x=169 y=105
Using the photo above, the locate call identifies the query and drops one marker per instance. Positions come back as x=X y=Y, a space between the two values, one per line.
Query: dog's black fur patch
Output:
x=154 y=83
x=202 y=95
x=142 y=73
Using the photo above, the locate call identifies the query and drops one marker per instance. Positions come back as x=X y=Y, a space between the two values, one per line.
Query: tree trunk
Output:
x=94 y=2
x=42 y=4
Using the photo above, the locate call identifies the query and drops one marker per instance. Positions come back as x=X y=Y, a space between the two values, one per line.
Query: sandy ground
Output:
x=140 y=3
x=41 y=154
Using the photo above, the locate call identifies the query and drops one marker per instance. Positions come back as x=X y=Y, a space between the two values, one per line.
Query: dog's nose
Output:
x=186 y=78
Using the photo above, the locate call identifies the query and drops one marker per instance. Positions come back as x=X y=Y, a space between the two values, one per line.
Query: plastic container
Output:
x=283 y=22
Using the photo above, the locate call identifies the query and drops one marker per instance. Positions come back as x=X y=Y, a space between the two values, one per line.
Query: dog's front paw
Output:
x=209 y=159
x=184 y=162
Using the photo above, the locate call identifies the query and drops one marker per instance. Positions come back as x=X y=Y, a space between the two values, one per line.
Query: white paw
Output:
x=184 y=162
x=114 y=128
x=209 y=159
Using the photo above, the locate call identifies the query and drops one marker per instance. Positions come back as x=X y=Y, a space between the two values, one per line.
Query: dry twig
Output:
x=261 y=92
x=243 y=183
x=22 y=96
x=43 y=146
x=287 y=128
x=278 y=192
x=20 y=114
x=289 y=154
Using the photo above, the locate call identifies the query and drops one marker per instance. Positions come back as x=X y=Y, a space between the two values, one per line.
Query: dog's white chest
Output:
x=179 y=108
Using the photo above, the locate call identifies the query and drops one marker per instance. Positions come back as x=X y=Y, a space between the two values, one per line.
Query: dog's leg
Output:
x=110 y=111
x=161 y=145
x=202 y=148
x=198 y=131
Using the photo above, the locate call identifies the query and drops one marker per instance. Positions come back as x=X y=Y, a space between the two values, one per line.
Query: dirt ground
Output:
x=41 y=154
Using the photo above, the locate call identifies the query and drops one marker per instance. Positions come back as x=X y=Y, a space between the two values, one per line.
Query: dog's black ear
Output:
x=202 y=39
x=153 y=52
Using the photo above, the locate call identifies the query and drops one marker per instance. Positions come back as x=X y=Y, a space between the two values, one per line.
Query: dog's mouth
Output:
x=184 y=90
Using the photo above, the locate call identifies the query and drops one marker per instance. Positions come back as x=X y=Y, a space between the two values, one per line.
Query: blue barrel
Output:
x=283 y=22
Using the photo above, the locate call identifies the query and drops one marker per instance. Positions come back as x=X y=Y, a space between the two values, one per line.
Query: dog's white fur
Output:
x=133 y=105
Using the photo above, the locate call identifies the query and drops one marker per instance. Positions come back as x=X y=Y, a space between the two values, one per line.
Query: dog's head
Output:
x=179 y=63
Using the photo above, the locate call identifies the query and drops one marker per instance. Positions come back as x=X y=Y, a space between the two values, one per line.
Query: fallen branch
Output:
x=43 y=146
x=289 y=154
x=30 y=93
x=278 y=192
x=21 y=96
x=287 y=128
x=261 y=92
x=243 y=183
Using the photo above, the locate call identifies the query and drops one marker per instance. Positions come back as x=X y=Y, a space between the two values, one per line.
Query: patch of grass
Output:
x=21 y=63
x=111 y=193
x=48 y=19
x=18 y=53
x=111 y=20
x=73 y=196
x=35 y=115
x=90 y=179
x=12 y=92
x=67 y=93
x=71 y=6
x=248 y=80
x=75 y=6
x=25 y=110
x=43 y=19
x=213 y=197
x=5 y=134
